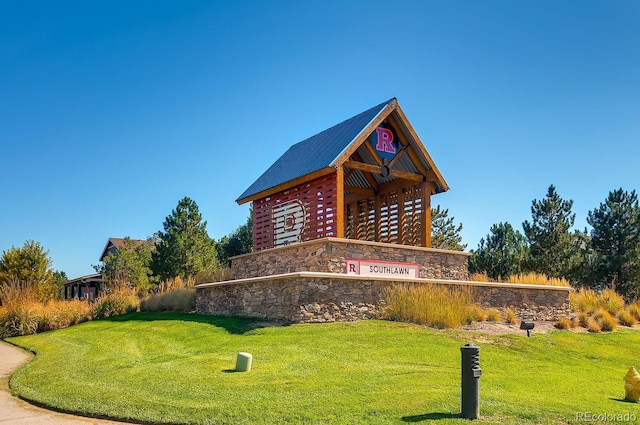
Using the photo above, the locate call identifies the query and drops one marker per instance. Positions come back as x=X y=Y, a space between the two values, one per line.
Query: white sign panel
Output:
x=288 y=222
x=382 y=268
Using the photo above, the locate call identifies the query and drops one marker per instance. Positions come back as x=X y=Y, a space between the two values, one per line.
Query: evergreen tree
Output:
x=129 y=266
x=184 y=248
x=444 y=233
x=60 y=277
x=615 y=238
x=31 y=266
x=240 y=241
x=553 y=249
x=501 y=253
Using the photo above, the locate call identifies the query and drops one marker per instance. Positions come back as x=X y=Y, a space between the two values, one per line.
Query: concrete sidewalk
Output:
x=14 y=411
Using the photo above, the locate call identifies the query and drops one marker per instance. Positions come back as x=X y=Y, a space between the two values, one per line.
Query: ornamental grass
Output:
x=432 y=305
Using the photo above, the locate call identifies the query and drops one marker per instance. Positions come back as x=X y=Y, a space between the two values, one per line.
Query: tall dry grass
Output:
x=431 y=305
x=533 y=278
x=183 y=300
x=588 y=301
x=120 y=300
x=22 y=314
x=530 y=278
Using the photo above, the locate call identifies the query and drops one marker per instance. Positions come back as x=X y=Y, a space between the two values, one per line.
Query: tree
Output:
x=31 y=266
x=60 y=277
x=501 y=253
x=444 y=233
x=615 y=238
x=184 y=248
x=130 y=265
x=553 y=248
x=240 y=241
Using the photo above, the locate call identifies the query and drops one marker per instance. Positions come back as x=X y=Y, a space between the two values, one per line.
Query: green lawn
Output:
x=176 y=368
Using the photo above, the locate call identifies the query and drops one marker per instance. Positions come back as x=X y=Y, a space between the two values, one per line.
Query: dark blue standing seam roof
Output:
x=314 y=153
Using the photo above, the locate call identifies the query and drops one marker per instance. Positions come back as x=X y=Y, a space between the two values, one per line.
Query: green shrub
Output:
x=118 y=301
x=431 y=305
x=183 y=300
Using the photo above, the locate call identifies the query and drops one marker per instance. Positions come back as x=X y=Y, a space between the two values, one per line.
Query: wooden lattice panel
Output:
x=394 y=217
x=302 y=213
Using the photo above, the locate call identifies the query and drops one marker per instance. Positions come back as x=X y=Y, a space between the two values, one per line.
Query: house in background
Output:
x=114 y=244
x=89 y=286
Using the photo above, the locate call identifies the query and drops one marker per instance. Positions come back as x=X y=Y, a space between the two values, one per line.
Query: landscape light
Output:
x=527 y=326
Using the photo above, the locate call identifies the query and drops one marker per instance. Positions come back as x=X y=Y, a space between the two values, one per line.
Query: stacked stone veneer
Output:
x=306 y=283
x=329 y=255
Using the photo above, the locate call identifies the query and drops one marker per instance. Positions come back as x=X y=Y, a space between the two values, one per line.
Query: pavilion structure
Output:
x=369 y=178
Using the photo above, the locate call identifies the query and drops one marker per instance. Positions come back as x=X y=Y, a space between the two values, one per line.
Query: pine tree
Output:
x=553 y=248
x=444 y=233
x=501 y=253
x=184 y=248
x=615 y=238
x=240 y=241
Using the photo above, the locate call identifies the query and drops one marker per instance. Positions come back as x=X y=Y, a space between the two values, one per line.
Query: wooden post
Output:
x=425 y=237
x=401 y=230
x=377 y=216
x=340 y=207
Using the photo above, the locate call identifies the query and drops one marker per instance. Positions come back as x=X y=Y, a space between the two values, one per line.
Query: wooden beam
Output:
x=372 y=152
x=362 y=190
x=425 y=236
x=372 y=182
x=407 y=176
x=383 y=189
x=362 y=166
x=346 y=176
x=288 y=185
x=398 y=156
x=339 y=214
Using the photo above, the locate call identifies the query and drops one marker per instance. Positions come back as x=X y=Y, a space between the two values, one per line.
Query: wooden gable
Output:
x=378 y=187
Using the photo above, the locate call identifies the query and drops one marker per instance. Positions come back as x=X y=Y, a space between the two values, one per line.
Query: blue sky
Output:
x=110 y=112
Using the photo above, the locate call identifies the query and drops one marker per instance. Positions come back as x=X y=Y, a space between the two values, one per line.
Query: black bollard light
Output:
x=471 y=373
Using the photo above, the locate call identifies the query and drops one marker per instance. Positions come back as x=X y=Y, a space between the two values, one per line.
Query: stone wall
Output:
x=329 y=255
x=325 y=297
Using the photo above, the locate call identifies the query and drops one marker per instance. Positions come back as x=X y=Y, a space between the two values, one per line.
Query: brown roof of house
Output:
x=119 y=243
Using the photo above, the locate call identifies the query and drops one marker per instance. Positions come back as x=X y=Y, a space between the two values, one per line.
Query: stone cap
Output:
x=341 y=276
x=356 y=242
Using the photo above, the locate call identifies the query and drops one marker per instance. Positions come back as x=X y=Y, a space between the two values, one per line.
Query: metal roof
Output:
x=315 y=153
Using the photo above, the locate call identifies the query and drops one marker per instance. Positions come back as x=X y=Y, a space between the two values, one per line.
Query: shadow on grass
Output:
x=233 y=325
x=430 y=417
x=622 y=400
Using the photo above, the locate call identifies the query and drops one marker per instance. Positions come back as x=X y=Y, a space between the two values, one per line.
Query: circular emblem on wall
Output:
x=385 y=141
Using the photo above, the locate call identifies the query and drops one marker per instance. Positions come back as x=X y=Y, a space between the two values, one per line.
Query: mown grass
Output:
x=176 y=368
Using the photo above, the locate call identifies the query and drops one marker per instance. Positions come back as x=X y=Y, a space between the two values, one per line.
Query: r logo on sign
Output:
x=385 y=141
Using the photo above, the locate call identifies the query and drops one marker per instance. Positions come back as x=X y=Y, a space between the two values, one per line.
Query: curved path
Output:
x=14 y=411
